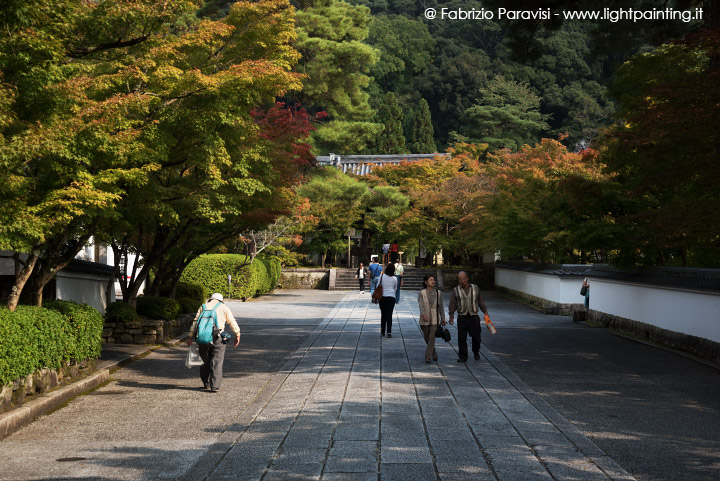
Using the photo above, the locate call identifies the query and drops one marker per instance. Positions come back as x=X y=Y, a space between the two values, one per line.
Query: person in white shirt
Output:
x=360 y=275
x=387 y=302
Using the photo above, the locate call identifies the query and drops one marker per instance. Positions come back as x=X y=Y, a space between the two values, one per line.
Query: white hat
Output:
x=217 y=296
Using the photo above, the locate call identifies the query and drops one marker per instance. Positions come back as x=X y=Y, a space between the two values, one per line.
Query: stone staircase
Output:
x=412 y=279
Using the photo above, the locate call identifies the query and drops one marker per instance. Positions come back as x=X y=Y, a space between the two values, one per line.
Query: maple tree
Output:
x=132 y=121
x=70 y=135
x=432 y=187
x=535 y=211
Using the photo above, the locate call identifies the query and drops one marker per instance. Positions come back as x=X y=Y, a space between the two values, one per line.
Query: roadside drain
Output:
x=70 y=460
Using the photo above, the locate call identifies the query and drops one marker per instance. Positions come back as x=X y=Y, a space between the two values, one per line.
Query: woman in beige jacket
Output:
x=431 y=312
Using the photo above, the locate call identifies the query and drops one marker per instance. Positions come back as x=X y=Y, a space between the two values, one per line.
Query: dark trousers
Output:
x=361 y=281
x=387 y=304
x=471 y=325
x=213 y=356
x=429 y=335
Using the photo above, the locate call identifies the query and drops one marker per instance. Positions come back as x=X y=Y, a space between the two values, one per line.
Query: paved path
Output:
x=657 y=414
x=345 y=405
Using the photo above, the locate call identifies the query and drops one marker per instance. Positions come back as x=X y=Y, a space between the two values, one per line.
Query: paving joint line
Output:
x=417 y=396
x=279 y=379
x=275 y=455
x=486 y=458
x=342 y=402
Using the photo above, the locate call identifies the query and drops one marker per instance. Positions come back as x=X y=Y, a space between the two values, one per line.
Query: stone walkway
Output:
x=350 y=405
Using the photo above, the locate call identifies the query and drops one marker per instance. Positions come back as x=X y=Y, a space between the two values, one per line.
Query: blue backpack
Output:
x=206 y=323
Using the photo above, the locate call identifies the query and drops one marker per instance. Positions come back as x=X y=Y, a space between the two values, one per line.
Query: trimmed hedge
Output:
x=188 y=305
x=32 y=338
x=187 y=290
x=158 y=307
x=120 y=311
x=85 y=328
x=252 y=280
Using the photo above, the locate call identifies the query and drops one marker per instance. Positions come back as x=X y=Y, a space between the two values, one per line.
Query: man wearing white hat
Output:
x=213 y=353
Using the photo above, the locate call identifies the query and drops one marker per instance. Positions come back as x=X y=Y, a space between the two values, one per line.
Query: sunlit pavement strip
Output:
x=352 y=405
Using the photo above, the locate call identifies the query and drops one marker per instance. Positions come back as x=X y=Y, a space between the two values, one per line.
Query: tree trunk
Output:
x=110 y=288
x=59 y=253
x=20 y=279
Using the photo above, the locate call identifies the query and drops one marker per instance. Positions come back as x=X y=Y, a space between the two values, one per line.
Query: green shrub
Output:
x=32 y=338
x=188 y=305
x=86 y=326
x=120 y=311
x=248 y=280
x=274 y=269
x=186 y=290
x=158 y=307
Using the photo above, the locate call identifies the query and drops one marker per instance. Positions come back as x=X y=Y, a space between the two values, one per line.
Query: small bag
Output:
x=446 y=335
x=378 y=292
x=490 y=325
x=193 y=357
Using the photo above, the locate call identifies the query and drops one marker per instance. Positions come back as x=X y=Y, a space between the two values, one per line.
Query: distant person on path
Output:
x=360 y=275
x=399 y=269
x=432 y=312
x=375 y=272
x=585 y=291
x=386 y=253
x=466 y=299
x=213 y=354
x=387 y=302
x=394 y=250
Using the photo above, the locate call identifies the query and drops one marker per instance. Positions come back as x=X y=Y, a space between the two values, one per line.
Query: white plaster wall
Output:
x=544 y=286
x=7 y=263
x=83 y=289
x=688 y=312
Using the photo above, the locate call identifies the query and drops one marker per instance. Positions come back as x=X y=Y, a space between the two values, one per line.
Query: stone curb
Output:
x=13 y=420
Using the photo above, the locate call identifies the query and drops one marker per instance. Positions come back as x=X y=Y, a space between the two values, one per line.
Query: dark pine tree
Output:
x=392 y=140
x=422 y=131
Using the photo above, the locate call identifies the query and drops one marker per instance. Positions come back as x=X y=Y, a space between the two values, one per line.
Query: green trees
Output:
x=389 y=114
x=664 y=149
x=507 y=115
x=72 y=131
x=335 y=63
x=133 y=122
x=406 y=49
x=337 y=203
x=421 y=131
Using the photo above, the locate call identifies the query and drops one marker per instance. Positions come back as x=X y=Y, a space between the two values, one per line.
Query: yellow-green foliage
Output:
x=32 y=338
x=248 y=280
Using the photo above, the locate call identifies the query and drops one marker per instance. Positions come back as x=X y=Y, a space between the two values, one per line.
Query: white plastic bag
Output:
x=193 y=356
